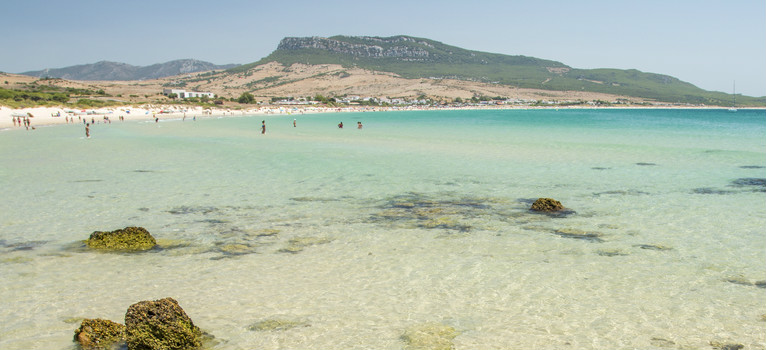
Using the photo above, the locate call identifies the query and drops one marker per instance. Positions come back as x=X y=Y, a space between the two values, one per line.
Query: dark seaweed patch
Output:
x=144 y=171
x=183 y=210
x=749 y=181
x=645 y=164
x=621 y=193
x=708 y=190
x=600 y=168
x=314 y=199
x=577 y=234
x=754 y=184
x=91 y=180
x=752 y=167
x=422 y=211
x=28 y=245
x=653 y=247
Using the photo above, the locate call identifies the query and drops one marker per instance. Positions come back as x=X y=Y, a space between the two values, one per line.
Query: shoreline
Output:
x=49 y=116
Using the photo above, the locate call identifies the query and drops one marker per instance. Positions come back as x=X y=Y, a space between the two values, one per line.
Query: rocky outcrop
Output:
x=160 y=325
x=547 y=205
x=127 y=239
x=359 y=50
x=99 y=334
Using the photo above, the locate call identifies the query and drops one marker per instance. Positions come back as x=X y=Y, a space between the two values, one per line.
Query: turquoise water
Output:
x=419 y=218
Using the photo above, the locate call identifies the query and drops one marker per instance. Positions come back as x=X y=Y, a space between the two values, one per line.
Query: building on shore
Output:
x=187 y=94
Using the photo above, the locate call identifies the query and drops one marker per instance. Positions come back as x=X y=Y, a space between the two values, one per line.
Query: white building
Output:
x=187 y=94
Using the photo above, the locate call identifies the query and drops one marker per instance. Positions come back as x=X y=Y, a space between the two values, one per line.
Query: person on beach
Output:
x=340 y=126
x=263 y=127
x=87 y=130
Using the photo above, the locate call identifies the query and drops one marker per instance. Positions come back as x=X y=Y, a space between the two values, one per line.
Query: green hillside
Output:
x=412 y=57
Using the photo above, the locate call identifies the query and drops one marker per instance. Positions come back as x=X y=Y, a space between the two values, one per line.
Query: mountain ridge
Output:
x=117 y=71
x=411 y=57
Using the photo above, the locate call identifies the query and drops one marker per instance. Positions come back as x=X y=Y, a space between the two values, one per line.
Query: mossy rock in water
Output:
x=430 y=336
x=160 y=325
x=99 y=334
x=546 y=205
x=297 y=244
x=127 y=239
x=445 y=222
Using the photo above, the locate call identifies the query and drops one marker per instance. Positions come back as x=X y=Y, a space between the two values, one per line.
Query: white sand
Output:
x=41 y=116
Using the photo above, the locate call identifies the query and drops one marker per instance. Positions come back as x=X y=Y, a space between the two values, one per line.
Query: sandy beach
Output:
x=46 y=116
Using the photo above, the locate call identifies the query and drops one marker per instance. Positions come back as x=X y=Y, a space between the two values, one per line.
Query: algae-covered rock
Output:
x=546 y=205
x=160 y=325
x=297 y=244
x=127 y=239
x=99 y=334
x=719 y=345
x=429 y=336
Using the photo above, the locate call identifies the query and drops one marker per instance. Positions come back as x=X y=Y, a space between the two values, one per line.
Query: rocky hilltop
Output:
x=391 y=49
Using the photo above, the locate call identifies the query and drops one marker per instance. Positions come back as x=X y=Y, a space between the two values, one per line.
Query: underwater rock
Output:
x=611 y=252
x=276 y=325
x=445 y=222
x=725 y=346
x=579 y=234
x=160 y=325
x=741 y=280
x=183 y=210
x=128 y=239
x=620 y=193
x=297 y=244
x=99 y=334
x=546 y=205
x=653 y=247
x=429 y=336
x=662 y=343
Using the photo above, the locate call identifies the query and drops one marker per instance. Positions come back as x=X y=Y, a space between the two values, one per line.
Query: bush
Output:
x=246 y=97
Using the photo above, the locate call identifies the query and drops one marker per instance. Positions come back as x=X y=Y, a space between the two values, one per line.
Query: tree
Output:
x=246 y=97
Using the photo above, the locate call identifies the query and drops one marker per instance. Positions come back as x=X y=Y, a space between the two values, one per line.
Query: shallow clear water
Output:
x=421 y=217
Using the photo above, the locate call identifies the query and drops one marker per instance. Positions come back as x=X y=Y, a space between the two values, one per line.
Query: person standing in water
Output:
x=358 y=125
x=87 y=130
x=295 y=123
x=263 y=127
x=340 y=126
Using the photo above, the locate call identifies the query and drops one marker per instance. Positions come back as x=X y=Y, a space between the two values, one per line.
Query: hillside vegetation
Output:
x=423 y=58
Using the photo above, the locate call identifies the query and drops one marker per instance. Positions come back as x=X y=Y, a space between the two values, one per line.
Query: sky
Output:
x=715 y=45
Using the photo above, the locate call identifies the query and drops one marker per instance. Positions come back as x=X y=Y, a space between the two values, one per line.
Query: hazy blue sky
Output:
x=708 y=43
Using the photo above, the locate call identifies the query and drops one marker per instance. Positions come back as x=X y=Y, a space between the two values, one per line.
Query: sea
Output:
x=413 y=232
